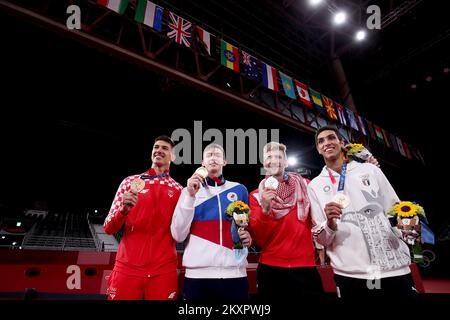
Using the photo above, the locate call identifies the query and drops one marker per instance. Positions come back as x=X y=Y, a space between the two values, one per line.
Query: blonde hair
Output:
x=214 y=146
x=275 y=146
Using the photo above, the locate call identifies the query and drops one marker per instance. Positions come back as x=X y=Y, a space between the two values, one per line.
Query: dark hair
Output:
x=166 y=139
x=325 y=128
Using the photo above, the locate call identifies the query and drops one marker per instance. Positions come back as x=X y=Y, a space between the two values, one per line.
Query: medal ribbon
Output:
x=341 y=179
x=147 y=177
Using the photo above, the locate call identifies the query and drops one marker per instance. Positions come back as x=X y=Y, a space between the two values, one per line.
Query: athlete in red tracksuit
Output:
x=146 y=262
x=280 y=225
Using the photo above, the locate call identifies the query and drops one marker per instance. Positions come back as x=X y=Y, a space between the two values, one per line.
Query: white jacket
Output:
x=364 y=245
x=209 y=250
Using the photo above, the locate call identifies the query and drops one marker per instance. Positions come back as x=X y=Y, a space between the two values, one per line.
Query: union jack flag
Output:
x=179 y=29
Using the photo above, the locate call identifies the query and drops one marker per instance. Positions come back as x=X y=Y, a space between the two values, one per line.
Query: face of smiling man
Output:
x=329 y=145
x=161 y=154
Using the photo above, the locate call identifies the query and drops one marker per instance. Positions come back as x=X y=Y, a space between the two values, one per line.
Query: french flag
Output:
x=269 y=75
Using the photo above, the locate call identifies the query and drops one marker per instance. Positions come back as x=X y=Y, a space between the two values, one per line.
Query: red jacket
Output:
x=147 y=247
x=286 y=242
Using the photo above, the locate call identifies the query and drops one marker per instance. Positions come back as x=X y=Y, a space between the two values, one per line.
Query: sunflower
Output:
x=352 y=148
x=406 y=209
x=238 y=207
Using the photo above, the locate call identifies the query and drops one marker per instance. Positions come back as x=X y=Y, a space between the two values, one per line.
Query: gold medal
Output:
x=202 y=172
x=137 y=185
x=342 y=199
x=271 y=183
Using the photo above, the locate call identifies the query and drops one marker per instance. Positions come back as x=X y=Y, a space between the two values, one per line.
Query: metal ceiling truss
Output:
x=123 y=37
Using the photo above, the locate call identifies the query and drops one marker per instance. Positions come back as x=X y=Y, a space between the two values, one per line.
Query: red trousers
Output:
x=125 y=287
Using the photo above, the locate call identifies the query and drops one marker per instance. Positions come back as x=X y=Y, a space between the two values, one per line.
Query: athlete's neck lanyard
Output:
x=148 y=177
x=341 y=179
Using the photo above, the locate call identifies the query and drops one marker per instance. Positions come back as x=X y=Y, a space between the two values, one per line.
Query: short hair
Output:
x=275 y=146
x=214 y=146
x=325 y=128
x=166 y=139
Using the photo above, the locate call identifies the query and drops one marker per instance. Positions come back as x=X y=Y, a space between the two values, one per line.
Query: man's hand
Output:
x=245 y=236
x=373 y=161
x=194 y=183
x=129 y=200
x=266 y=197
x=333 y=211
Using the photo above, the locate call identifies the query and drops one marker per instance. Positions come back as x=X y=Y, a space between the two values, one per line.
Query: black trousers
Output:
x=281 y=284
x=234 y=290
x=400 y=287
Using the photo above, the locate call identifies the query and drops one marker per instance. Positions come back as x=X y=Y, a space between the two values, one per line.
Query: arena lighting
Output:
x=3 y=237
x=228 y=84
x=340 y=17
x=315 y=3
x=360 y=35
x=14 y=243
x=18 y=224
x=95 y=211
x=292 y=161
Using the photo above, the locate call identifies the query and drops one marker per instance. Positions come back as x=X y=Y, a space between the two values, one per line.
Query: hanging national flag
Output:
x=351 y=119
x=118 y=6
x=393 y=141
x=229 y=56
x=371 y=129
x=328 y=103
x=317 y=100
x=269 y=75
x=386 y=137
x=400 y=147
x=303 y=93
x=406 y=148
x=204 y=38
x=379 y=133
x=179 y=29
x=149 y=14
x=416 y=153
x=361 y=124
x=288 y=85
x=250 y=66
x=341 y=114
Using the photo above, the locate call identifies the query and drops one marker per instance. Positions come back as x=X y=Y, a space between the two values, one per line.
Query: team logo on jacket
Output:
x=232 y=196
x=365 y=180
x=326 y=189
x=170 y=193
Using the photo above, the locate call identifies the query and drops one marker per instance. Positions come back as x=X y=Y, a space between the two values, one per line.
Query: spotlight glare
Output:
x=340 y=17
x=315 y=3
x=360 y=35
x=292 y=161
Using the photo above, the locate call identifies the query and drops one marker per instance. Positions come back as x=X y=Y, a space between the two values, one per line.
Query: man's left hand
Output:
x=373 y=161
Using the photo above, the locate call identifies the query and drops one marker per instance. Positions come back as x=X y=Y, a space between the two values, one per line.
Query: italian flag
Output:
x=118 y=6
x=149 y=14
x=229 y=56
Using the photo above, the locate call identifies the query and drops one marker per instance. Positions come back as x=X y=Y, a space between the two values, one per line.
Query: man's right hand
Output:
x=333 y=211
x=266 y=197
x=129 y=200
x=194 y=183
